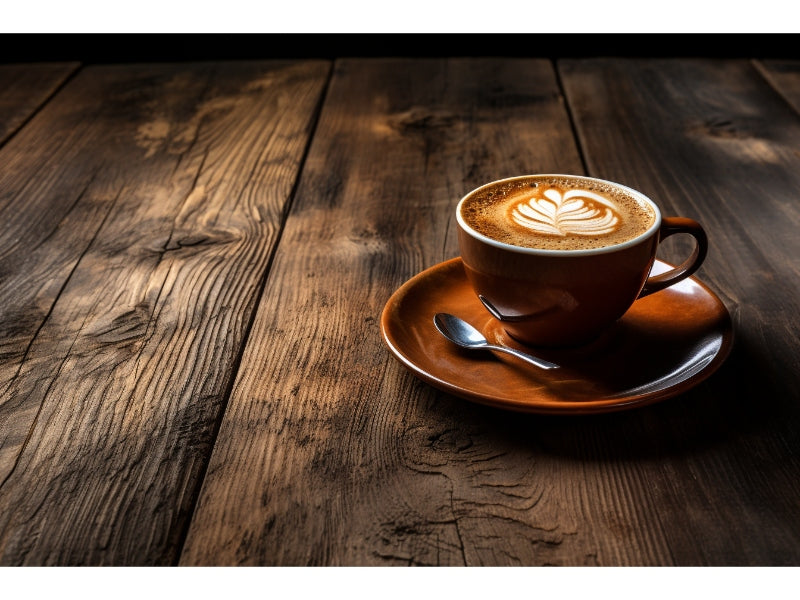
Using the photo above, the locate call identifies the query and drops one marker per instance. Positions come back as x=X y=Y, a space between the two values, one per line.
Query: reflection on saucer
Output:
x=665 y=344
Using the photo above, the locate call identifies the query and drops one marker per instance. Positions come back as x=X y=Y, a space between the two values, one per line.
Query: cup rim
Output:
x=548 y=252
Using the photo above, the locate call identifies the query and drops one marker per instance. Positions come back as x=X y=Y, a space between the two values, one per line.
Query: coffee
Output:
x=557 y=212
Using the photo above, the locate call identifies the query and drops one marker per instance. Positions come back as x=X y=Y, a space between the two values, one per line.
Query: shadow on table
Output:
x=738 y=400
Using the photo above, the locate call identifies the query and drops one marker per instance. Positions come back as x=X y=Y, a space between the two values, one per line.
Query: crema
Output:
x=557 y=213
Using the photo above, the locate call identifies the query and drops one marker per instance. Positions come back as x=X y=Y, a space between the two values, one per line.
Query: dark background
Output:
x=146 y=47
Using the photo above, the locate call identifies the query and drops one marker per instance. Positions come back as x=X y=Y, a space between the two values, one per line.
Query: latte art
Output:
x=557 y=212
x=575 y=212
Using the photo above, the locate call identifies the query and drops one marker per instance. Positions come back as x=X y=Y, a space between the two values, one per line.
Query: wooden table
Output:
x=195 y=256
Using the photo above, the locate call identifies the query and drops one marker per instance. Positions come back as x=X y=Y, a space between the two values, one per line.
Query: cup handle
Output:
x=671 y=226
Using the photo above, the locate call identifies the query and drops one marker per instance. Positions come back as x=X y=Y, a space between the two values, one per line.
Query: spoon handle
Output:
x=539 y=362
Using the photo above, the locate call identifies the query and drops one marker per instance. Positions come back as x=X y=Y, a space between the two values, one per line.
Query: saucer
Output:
x=665 y=344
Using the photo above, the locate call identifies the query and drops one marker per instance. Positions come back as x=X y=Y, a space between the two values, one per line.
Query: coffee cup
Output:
x=559 y=258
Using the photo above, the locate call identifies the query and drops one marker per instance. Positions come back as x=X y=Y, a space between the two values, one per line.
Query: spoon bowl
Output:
x=464 y=335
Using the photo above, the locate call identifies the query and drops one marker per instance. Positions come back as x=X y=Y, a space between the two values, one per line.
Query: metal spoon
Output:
x=466 y=336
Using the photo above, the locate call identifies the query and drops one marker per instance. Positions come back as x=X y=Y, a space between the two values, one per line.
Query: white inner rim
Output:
x=525 y=250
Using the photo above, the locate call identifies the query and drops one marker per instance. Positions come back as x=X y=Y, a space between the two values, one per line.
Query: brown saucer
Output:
x=665 y=344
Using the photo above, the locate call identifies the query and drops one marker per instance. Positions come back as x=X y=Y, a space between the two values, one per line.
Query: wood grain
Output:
x=194 y=259
x=24 y=88
x=784 y=76
x=141 y=208
x=708 y=139
x=330 y=453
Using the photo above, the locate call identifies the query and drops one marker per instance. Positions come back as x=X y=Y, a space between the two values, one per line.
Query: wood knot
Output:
x=418 y=119
x=122 y=329
x=723 y=128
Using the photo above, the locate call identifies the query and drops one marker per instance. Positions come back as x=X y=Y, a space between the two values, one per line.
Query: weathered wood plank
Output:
x=24 y=88
x=784 y=76
x=708 y=139
x=129 y=277
x=330 y=453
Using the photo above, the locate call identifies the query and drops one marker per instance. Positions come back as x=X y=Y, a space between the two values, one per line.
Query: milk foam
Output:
x=577 y=212
x=557 y=213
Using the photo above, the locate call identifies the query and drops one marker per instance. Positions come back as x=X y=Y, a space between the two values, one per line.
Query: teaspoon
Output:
x=466 y=336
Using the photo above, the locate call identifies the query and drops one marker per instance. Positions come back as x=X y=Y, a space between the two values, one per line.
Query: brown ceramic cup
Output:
x=568 y=297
